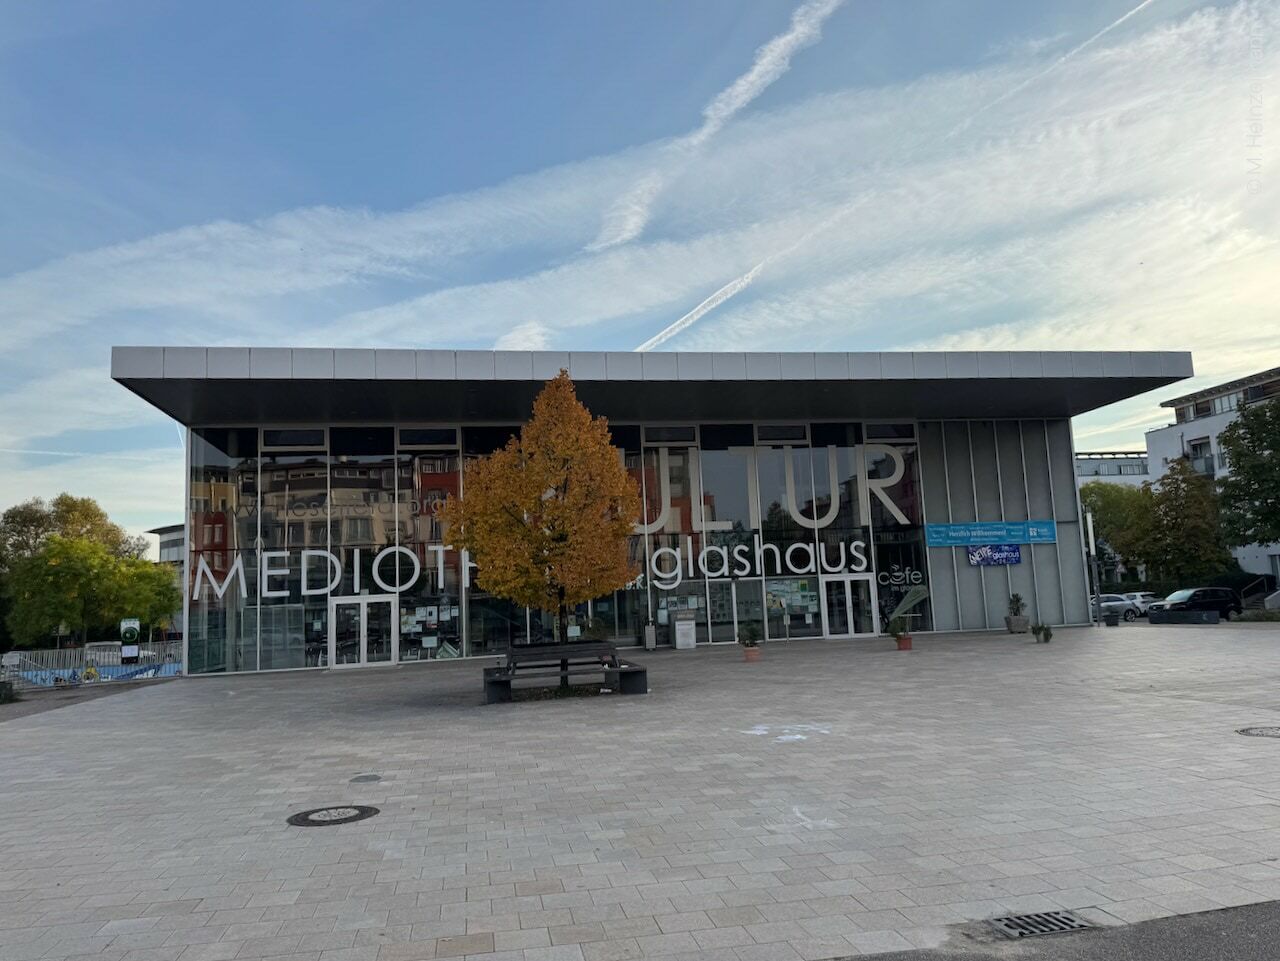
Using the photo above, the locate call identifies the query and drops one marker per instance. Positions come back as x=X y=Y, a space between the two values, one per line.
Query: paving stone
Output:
x=1105 y=778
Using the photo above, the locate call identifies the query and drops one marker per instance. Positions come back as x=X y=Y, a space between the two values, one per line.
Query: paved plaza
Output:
x=837 y=799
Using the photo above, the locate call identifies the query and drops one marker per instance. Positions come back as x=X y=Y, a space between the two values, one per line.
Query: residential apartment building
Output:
x=1199 y=420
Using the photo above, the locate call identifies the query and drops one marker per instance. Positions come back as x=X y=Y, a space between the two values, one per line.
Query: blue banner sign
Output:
x=991 y=532
x=995 y=555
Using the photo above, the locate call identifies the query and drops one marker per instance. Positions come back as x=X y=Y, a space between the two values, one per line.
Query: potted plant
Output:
x=1043 y=633
x=1016 y=621
x=901 y=633
x=749 y=638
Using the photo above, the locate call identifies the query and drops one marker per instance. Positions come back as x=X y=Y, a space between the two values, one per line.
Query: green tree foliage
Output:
x=81 y=584
x=25 y=527
x=1250 y=494
x=1172 y=528
x=1186 y=544
x=1123 y=517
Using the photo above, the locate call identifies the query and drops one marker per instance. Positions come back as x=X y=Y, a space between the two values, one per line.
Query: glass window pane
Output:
x=428 y=437
x=293 y=437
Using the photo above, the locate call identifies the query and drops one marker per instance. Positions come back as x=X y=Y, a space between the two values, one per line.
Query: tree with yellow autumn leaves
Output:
x=547 y=517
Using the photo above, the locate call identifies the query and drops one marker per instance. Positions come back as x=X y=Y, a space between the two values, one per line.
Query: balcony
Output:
x=1204 y=464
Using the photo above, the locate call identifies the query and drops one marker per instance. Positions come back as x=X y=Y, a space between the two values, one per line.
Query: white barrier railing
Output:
x=78 y=665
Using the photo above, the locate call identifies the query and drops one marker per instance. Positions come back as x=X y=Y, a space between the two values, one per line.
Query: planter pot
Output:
x=1111 y=620
x=1017 y=625
x=904 y=642
x=751 y=653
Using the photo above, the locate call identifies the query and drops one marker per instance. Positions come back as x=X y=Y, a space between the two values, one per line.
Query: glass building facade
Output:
x=321 y=545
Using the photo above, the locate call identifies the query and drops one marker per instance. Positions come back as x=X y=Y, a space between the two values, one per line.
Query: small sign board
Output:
x=129 y=654
x=991 y=532
x=995 y=555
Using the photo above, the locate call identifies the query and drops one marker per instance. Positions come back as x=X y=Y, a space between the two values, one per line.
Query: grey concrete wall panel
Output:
x=394 y=365
x=624 y=365
x=729 y=366
x=1086 y=363
x=548 y=363
x=1178 y=364
x=137 y=362
x=996 y=363
x=930 y=365
x=942 y=560
x=228 y=363
x=695 y=366
x=962 y=363
x=1026 y=364
x=798 y=366
x=435 y=365
x=660 y=365
x=1056 y=363
x=475 y=364
x=1045 y=556
x=832 y=366
x=1075 y=582
x=355 y=363
x=1021 y=578
x=764 y=367
x=862 y=366
x=312 y=363
x=987 y=485
x=513 y=365
x=270 y=363
x=186 y=362
x=1117 y=364
x=1146 y=364
x=897 y=366
x=587 y=365
x=973 y=608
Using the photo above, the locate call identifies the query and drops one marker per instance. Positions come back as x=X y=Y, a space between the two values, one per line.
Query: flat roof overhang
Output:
x=282 y=385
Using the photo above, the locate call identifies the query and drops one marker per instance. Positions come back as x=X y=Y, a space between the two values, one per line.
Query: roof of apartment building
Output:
x=1208 y=393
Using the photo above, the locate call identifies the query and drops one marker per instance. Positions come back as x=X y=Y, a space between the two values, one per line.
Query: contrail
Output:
x=1047 y=70
x=739 y=284
x=627 y=217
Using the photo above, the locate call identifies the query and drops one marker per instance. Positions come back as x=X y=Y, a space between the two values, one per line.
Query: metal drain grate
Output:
x=1259 y=731
x=1046 y=922
x=328 y=817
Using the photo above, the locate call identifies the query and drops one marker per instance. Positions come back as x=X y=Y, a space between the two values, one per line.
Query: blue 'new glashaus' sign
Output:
x=995 y=555
x=991 y=532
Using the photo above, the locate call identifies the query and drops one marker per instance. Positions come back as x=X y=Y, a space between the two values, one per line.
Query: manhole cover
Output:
x=1259 y=731
x=365 y=779
x=325 y=817
x=1045 y=922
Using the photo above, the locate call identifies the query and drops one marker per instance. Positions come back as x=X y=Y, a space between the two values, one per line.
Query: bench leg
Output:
x=633 y=682
x=497 y=690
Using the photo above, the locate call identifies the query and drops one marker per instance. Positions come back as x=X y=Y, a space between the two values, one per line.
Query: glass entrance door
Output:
x=363 y=631
x=849 y=606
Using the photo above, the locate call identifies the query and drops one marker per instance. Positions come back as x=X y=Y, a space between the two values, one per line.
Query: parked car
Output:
x=1118 y=604
x=1221 y=599
x=1144 y=599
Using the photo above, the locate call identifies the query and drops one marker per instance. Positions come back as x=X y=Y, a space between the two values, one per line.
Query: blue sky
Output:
x=793 y=175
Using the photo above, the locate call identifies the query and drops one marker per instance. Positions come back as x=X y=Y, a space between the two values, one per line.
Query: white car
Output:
x=1143 y=599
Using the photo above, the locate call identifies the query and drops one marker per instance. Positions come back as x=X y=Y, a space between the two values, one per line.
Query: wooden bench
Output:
x=562 y=661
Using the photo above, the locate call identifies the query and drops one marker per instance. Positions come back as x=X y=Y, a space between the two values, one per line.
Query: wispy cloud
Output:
x=739 y=284
x=627 y=217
